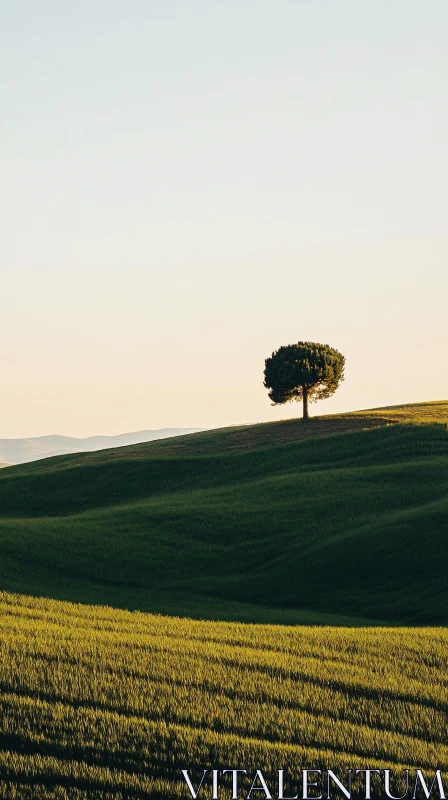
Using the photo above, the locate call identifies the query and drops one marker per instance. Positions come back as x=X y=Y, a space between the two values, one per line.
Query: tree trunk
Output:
x=305 y=403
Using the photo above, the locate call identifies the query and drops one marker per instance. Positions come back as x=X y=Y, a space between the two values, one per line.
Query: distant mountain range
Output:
x=19 y=451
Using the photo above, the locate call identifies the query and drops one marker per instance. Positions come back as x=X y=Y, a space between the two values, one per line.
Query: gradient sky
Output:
x=186 y=186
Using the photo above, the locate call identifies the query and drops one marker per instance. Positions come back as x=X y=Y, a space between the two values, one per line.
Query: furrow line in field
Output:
x=61 y=650
x=350 y=688
x=125 y=638
x=159 y=766
x=302 y=739
x=126 y=765
x=302 y=700
x=253 y=698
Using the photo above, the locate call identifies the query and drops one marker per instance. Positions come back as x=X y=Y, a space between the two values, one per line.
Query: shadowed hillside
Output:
x=342 y=519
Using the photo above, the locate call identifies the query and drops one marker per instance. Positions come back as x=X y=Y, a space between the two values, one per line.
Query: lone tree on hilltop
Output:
x=305 y=371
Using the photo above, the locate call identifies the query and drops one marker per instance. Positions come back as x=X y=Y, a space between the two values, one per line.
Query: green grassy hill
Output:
x=341 y=520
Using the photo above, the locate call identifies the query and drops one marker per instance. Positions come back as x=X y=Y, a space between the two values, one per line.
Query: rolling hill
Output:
x=342 y=520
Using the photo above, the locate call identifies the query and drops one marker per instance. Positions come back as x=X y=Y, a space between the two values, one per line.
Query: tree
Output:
x=305 y=371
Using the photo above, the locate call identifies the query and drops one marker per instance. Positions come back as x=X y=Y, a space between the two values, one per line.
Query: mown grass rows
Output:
x=101 y=701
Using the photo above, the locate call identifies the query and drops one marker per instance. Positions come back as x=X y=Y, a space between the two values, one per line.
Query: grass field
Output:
x=340 y=521
x=101 y=703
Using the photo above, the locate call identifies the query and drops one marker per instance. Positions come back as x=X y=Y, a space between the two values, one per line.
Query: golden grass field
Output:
x=102 y=703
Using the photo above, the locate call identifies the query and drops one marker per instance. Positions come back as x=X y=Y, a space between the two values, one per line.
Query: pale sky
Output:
x=186 y=186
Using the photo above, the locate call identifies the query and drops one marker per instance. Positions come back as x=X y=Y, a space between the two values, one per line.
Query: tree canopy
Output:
x=306 y=371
